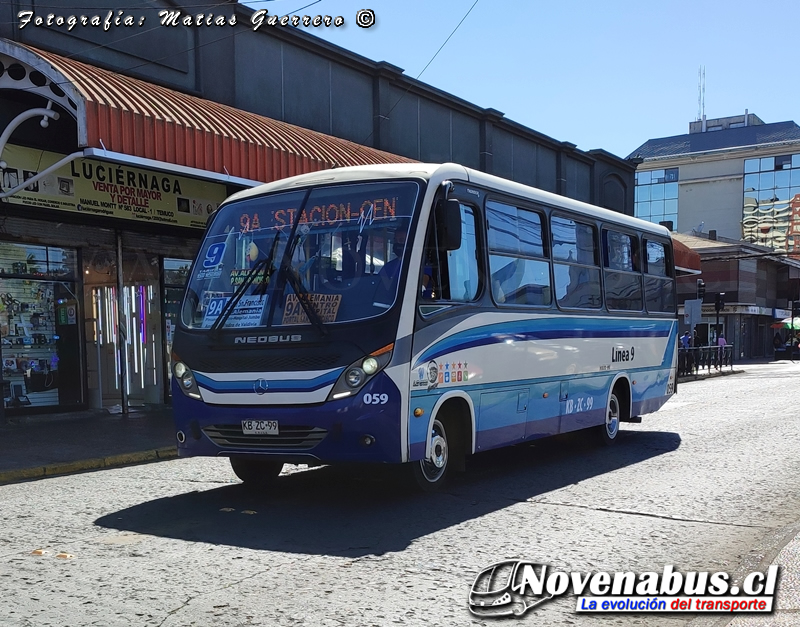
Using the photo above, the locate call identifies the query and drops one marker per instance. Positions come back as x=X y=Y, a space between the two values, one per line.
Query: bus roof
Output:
x=440 y=172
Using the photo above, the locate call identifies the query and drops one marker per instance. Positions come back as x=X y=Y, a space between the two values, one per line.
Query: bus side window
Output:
x=518 y=257
x=451 y=275
x=659 y=284
x=576 y=263
x=623 y=279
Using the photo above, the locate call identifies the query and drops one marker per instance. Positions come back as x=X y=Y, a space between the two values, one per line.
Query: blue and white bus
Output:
x=416 y=314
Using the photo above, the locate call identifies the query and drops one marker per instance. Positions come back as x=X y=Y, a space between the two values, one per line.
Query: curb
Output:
x=96 y=463
x=710 y=375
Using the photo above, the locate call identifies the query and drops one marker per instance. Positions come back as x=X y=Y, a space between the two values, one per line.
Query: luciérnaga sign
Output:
x=107 y=189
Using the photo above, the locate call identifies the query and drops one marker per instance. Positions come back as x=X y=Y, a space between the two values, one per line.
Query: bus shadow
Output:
x=353 y=511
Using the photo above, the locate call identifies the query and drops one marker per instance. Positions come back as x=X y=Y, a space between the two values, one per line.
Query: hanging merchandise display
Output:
x=36 y=337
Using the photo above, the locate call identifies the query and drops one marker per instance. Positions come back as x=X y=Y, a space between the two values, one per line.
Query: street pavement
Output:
x=36 y=447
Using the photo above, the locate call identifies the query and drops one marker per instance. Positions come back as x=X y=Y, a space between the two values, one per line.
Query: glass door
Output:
x=141 y=332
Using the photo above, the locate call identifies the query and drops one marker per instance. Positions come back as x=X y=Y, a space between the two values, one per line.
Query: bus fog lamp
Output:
x=370 y=365
x=354 y=377
x=187 y=382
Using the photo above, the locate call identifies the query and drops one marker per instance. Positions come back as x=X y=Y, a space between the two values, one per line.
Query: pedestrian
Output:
x=721 y=343
x=683 y=354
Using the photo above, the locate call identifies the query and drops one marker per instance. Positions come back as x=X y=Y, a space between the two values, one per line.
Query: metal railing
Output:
x=694 y=360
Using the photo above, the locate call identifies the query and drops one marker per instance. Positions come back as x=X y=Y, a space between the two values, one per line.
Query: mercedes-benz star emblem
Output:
x=261 y=386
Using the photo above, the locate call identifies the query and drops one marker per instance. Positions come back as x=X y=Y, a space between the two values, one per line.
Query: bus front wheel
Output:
x=432 y=472
x=258 y=473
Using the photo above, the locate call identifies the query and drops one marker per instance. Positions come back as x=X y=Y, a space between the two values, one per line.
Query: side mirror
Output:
x=448 y=224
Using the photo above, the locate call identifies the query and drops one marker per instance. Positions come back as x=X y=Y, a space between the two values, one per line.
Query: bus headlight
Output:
x=356 y=375
x=186 y=380
x=370 y=366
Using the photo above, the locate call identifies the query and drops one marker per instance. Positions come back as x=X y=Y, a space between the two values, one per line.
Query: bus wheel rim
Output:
x=612 y=417
x=434 y=466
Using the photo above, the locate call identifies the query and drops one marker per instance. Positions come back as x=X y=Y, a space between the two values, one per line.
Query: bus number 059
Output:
x=376 y=399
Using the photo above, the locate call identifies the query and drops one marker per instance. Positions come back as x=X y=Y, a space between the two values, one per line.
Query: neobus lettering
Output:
x=267 y=339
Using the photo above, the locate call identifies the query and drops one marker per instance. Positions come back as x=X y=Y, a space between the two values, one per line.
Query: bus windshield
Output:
x=326 y=255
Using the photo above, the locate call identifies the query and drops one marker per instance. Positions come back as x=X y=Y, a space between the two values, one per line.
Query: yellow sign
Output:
x=107 y=189
x=326 y=305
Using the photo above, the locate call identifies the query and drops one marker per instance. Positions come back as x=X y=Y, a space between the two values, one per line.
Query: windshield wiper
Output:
x=266 y=262
x=287 y=273
x=303 y=298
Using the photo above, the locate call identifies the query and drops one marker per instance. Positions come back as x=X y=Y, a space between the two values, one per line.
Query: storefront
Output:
x=747 y=327
x=86 y=309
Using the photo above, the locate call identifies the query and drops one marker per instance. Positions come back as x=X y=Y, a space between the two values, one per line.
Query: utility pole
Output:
x=792 y=330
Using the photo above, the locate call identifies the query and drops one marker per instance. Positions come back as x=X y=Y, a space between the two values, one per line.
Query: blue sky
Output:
x=609 y=74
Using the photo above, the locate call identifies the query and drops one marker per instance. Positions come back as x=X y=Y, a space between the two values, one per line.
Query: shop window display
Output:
x=39 y=323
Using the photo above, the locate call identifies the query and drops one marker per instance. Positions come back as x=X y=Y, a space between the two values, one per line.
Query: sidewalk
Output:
x=708 y=374
x=43 y=446
x=787 y=602
x=737 y=367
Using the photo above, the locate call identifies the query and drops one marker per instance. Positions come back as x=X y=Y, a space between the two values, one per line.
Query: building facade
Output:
x=755 y=292
x=730 y=189
x=122 y=134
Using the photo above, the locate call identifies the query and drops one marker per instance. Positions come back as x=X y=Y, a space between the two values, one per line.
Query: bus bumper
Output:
x=344 y=430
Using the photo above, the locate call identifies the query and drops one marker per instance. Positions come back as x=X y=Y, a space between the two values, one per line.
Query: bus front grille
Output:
x=289 y=438
x=267 y=363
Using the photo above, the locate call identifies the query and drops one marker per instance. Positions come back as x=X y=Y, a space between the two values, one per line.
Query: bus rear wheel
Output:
x=433 y=472
x=258 y=473
x=609 y=430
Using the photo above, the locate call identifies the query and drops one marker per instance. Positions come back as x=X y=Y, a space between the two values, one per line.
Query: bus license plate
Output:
x=260 y=427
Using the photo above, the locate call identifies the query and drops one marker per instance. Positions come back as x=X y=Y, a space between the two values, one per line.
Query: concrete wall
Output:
x=710 y=191
x=715 y=202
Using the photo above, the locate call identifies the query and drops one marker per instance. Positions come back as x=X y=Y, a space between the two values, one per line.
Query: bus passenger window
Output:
x=576 y=264
x=520 y=272
x=659 y=285
x=623 y=280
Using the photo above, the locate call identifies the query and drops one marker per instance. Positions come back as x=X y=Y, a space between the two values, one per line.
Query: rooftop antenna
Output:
x=701 y=96
x=699 y=93
x=704 y=92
